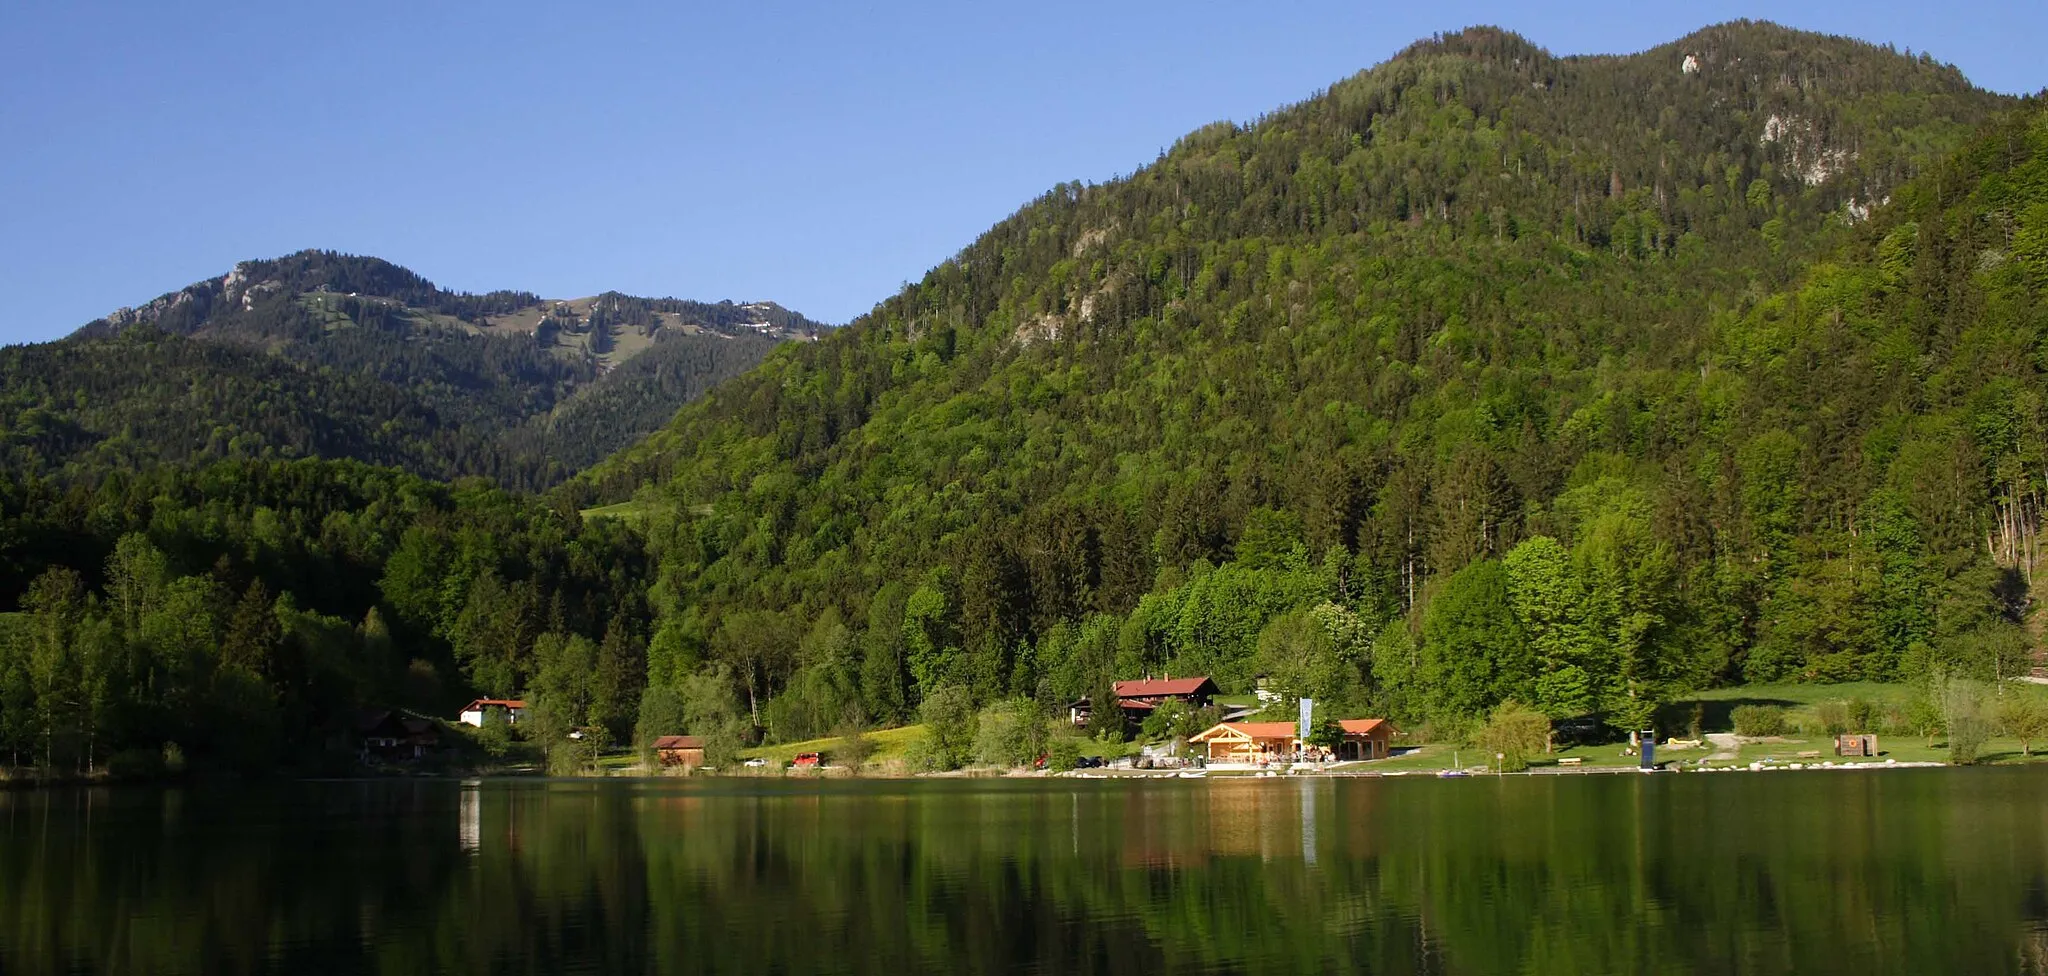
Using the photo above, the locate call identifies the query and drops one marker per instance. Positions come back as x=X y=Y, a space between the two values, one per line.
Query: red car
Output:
x=806 y=760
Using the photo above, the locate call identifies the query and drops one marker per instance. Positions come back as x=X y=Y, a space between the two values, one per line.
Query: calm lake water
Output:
x=1934 y=871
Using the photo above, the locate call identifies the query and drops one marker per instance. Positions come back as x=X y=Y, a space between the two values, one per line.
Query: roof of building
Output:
x=1287 y=730
x=483 y=703
x=679 y=742
x=1163 y=687
x=1251 y=730
x=371 y=720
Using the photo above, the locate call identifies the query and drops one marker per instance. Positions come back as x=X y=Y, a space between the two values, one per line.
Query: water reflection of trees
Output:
x=1871 y=874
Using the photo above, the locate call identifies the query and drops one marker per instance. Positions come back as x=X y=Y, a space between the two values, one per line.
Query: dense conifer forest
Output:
x=1484 y=375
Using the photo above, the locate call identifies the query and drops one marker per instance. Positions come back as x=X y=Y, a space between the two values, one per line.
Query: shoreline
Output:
x=11 y=779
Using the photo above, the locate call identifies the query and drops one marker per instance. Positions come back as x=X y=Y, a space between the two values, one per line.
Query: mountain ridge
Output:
x=500 y=378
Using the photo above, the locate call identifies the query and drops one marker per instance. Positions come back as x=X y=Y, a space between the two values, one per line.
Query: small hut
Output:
x=686 y=751
x=1861 y=744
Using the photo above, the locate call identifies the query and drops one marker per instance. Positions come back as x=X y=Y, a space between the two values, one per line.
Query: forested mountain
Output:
x=505 y=385
x=1483 y=374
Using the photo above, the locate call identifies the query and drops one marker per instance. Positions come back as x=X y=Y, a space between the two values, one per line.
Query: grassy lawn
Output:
x=1799 y=702
x=630 y=511
x=1439 y=756
x=1110 y=750
x=889 y=744
x=1901 y=748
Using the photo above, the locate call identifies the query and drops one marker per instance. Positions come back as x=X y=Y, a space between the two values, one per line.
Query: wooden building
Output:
x=386 y=735
x=686 y=751
x=1138 y=698
x=1365 y=738
x=1856 y=745
x=1249 y=742
x=1267 y=742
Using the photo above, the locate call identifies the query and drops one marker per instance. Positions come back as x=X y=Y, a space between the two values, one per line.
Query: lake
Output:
x=1922 y=871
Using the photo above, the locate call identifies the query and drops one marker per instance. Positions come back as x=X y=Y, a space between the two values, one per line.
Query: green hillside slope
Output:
x=129 y=401
x=1327 y=394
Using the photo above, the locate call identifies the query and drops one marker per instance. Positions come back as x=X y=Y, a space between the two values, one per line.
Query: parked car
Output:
x=807 y=760
x=756 y=763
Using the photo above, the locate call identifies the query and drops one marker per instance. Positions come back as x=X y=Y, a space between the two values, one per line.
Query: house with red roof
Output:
x=1138 y=698
x=512 y=709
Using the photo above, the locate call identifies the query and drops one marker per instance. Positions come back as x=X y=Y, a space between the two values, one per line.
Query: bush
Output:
x=2023 y=717
x=1758 y=721
x=1963 y=711
x=1924 y=718
x=1865 y=715
x=1514 y=733
x=1010 y=733
x=136 y=764
x=854 y=748
x=948 y=717
x=923 y=756
x=577 y=756
x=723 y=741
x=1063 y=754
x=1832 y=717
x=495 y=735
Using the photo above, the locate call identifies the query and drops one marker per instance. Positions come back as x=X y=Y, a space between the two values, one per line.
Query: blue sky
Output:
x=813 y=154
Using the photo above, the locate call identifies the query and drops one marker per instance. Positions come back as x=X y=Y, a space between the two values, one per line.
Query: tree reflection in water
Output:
x=1899 y=872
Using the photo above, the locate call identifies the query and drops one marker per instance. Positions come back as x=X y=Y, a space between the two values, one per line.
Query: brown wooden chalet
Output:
x=1138 y=698
x=680 y=750
x=388 y=735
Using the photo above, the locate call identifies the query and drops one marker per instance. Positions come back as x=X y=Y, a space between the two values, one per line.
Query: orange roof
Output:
x=1253 y=730
x=1287 y=730
x=679 y=742
x=1155 y=687
x=482 y=703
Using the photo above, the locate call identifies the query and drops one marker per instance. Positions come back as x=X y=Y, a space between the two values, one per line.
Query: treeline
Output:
x=242 y=614
x=1249 y=412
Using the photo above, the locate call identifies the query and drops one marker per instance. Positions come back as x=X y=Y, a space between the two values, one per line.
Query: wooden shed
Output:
x=686 y=751
x=1861 y=744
